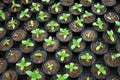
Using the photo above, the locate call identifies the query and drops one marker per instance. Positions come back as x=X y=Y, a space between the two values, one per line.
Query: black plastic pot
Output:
x=2 y=69
x=113 y=76
x=88 y=75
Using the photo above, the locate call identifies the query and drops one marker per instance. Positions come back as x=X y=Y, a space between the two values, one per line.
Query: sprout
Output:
x=52 y=24
x=49 y=41
x=15 y=5
x=12 y=23
x=32 y=23
x=79 y=22
x=115 y=56
x=101 y=69
x=42 y=15
x=37 y=32
x=1 y=29
x=76 y=43
x=47 y=1
x=2 y=15
x=6 y=42
x=99 y=7
x=34 y=75
x=38 y=54
x=24 y=13
x=118 y=24
x=71 y=67
x=28 y=43
x=62 y=77
x=111 y=35
x=55 y=6
x=35 y=6
x=86 y=57
x=63 y=55
x=89 y=1
x=64 y=16
x=50 y=66
x=88 y=34
x=26 y=1
x=64 y=32
x=99 y=46
x=88 y=78
x=77 y=7
x=99 y=23
x=22 y=64
x=87 y=14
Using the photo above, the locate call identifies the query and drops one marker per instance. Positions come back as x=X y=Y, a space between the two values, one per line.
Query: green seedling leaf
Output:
x=64 y=16
x=87 y=14
x=111 y=35
x=99 y=46
x=71 y=67
x=63 y=55
x=15 y=5
x=99 y=23
x=55 y=6
x=79 y=22
x=12 y=23
x=6 y=42
x=115 y=56
x=24 y=13
x=47 y=1
x=35 y=6
x=62 y=77
x=50 y=66
x=28 y=43
x=77 y=7
x=99 y=7
x=86 y=57
x=53 y=24
x=101 y=69
x=76 y=43
x=49 y=41
x=2 y=15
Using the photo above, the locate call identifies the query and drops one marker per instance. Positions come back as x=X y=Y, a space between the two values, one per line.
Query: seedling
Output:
x=6 y=42
x=34 y=75
x=42 y=15
x=88 y=78
x=115 y=56
x=88 y=34
x=64 y=32
x=111 y=35
x=87 y=14
x=27 y=43
x=101 y=69
x=62 y=77
x=76 y=43
x=89 y=1
x=64 y=16
x=71 y=67
x=32 y=23
x=1 y=29
x=47 y=1
x=87 y=57
x=37 y=32
x=99 y=23
x=52 y=25
x=15 y=5
x=12 y=23
x=99 y=7
x=49 y=41
x=2 y=15
x=77 y=7
x=99 y=46
x=63 y=54
x=22 y=64
x=118 y=24
x=26 y=1
x=38 y=54
x=50 y=66
x=79 y=22
x=55 y=6
x=24 y=13
x=35 y=6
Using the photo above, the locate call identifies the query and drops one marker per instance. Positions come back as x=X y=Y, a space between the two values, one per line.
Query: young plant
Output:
x=27 y=43
x=12 y=23
x=6 y=42
x=62 y=77
x=118 y=24
x=115 y=56
x=87 y=57
x=88 y=34
x=50 y=66
x=79 y=22
x=1 y=29
x=99 y=46
x=55 y=6
x=76 y=43
x=38 y=54
x=63 y=55
x=99 y=7
x=99 y=23
x=35 y=6
x=37 y=32
x=53 y=24
x=71 y=67
x=77 y=7
x=32 y=23
x=49 y=41
x=15 y=5
x=42 y=15
x=2 y=15
x=64 y=16
x=26 y=1
x=24 y=13
x=34 y=75
x=64 y=32
x=47 y=1
x=111 y=35
x=89 y=1
x=101 y=69
x=87 y=14
x=22 y=64
x=88 y=78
